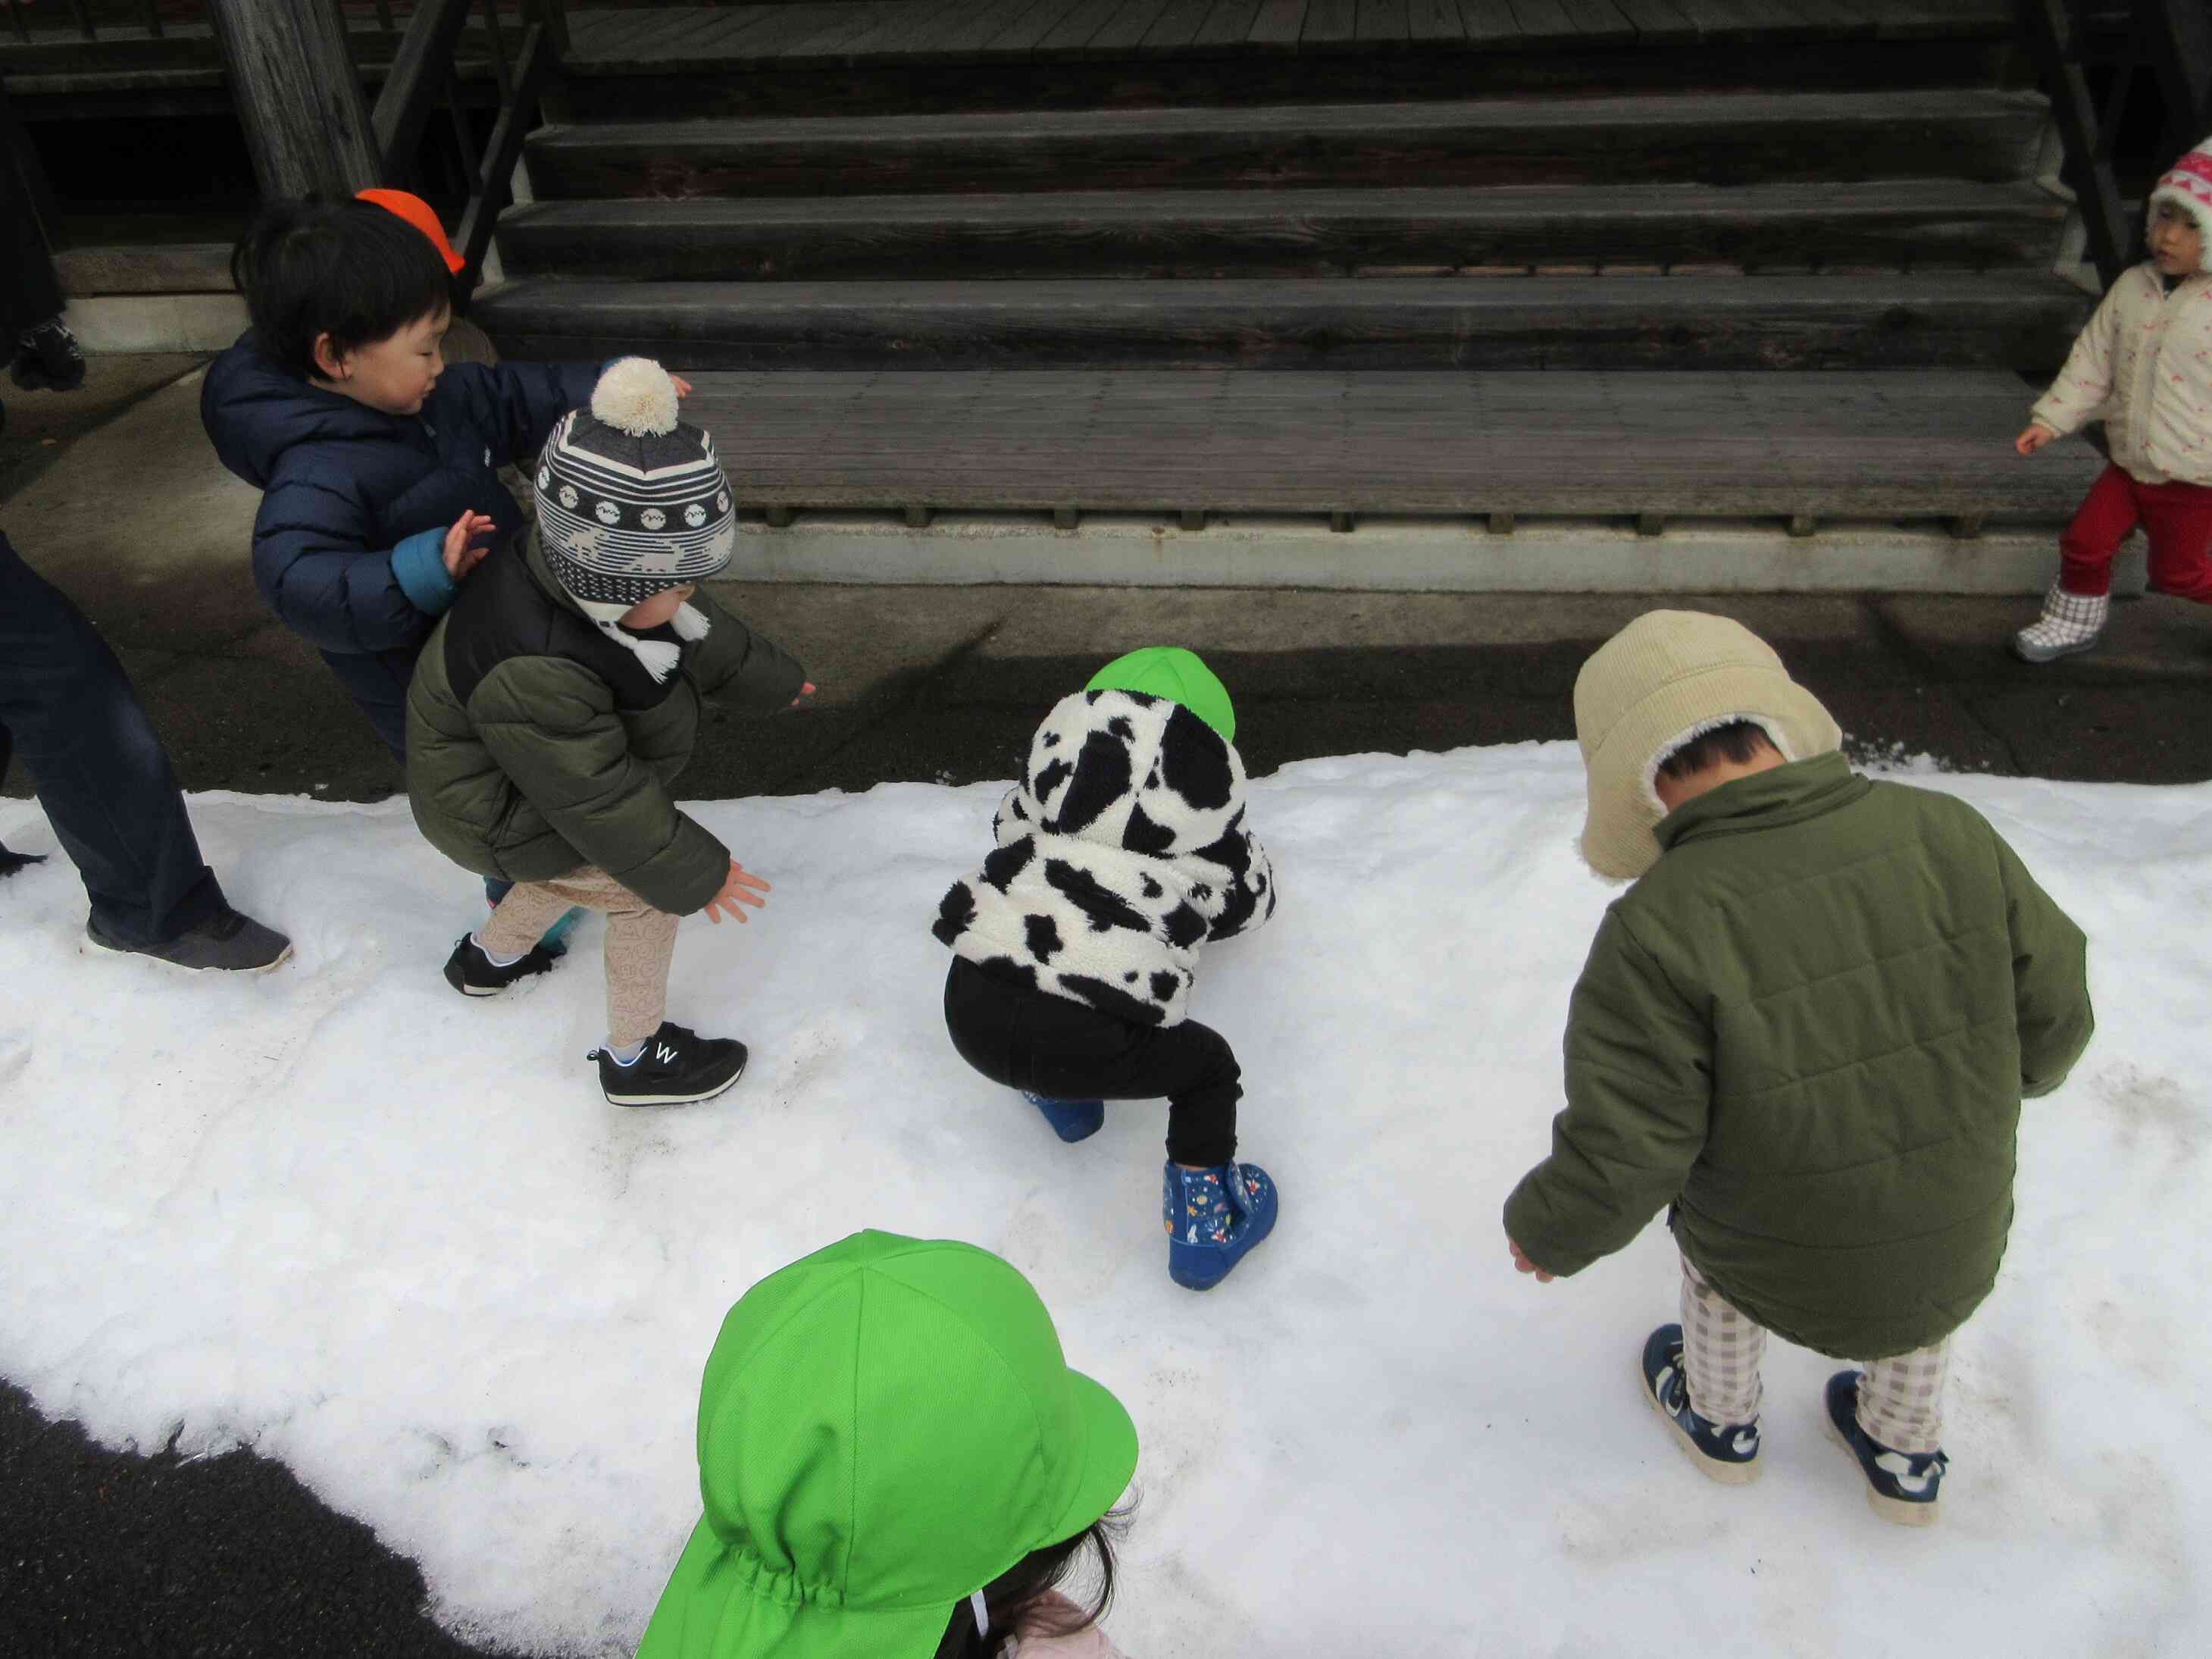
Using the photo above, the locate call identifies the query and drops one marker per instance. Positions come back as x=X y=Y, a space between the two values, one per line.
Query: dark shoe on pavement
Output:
x=1726 y=1452
x=228 y=941
x=473 y=974
x=1901 y=1486
x=48 y=358
x=676 y=1069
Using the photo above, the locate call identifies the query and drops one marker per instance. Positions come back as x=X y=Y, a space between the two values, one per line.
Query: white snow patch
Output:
x=396 y=1239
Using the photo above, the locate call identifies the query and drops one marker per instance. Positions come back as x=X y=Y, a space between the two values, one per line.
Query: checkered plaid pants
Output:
x=1900 y=1398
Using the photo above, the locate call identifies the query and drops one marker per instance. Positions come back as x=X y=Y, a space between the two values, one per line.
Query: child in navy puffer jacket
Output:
x=378 y=462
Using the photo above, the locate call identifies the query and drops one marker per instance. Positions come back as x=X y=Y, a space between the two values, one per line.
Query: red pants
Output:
x=2176 y=517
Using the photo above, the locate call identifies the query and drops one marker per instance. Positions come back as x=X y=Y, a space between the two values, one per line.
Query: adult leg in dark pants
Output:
x=107 y=787
x=1049 y=1045
x=44 y=353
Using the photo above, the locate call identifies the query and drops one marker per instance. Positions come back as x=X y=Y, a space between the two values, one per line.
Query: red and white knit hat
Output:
x=2189 y=187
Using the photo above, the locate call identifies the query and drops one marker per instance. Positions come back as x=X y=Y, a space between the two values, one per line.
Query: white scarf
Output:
x=659 y=657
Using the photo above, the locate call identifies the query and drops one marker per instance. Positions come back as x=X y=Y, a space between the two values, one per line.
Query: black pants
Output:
x=30 y=292
x=99 y=771
x=1065 y=1050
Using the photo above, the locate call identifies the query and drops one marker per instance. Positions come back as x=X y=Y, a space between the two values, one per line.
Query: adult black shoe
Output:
x=676 y=1069
x=48 y=358
x=228 y=941
x=473 y=974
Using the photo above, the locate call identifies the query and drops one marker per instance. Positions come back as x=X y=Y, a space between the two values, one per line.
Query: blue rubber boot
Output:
x=555 y=942
x=1214 y=1217
x=1070 y=1120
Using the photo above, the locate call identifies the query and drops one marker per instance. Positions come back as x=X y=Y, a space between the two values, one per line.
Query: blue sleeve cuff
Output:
x=418 y=565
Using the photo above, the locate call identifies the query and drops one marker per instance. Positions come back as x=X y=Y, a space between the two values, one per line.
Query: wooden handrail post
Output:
x=298 y=94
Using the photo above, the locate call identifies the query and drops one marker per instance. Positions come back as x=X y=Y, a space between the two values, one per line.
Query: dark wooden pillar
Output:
x=298 y=93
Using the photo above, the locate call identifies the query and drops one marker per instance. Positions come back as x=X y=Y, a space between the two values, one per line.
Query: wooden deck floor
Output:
x=1872 y=445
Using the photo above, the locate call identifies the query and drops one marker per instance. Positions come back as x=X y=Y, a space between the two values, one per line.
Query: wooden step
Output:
x=2022 y=320
x=1892 y=223
x=1861 y=445
x=973 y=54
x=1738 y=139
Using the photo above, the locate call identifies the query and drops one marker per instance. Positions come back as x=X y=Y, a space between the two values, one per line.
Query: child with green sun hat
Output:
x=1120 y=852
x=897 y=1463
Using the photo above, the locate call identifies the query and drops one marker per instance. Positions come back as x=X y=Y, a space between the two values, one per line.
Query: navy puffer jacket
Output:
x=348 y=548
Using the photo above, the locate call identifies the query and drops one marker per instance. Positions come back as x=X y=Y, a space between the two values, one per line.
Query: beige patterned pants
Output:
x=1900 y=1399
x=641 y=942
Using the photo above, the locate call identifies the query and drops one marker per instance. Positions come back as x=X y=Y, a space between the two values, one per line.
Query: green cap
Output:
x=1170 y=671
x=886 y=1426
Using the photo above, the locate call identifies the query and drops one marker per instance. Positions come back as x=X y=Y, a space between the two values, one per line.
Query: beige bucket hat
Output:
x=1660 y=681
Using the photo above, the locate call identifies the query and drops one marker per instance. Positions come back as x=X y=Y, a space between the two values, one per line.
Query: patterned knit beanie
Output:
x=631 y=500
x=1668 y=676
x=2189 y=187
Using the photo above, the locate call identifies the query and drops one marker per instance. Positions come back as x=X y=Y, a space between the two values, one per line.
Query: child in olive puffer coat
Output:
x=1805 y=1032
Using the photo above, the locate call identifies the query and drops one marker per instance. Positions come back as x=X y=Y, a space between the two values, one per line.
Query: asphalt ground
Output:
x=112 y=494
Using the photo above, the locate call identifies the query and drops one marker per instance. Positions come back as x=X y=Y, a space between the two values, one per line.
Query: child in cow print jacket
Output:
x=1122 y=851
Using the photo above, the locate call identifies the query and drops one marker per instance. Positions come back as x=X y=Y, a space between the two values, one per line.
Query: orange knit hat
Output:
x=420 y=214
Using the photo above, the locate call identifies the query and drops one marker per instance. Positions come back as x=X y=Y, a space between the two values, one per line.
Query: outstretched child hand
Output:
x=464 y=550
x=2033 y=438
x=683 y=386
x=739 y=890
x=805 y=692
x=1521 y=1264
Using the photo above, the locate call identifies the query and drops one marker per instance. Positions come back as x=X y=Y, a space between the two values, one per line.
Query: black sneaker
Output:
x=676 y=1069
x=1727 y=1453
x=227 y=941
x=48 y=358
x=473 y=974
x=1901 y=1486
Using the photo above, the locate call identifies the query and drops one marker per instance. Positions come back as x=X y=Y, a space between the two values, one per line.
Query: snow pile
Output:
x=395 y=1239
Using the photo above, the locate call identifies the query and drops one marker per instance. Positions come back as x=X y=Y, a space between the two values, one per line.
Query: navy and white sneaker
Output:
x=1213 y=1218
x=473 y=974
x=1727 y=1453
x=675 y=1068
x=1070 y=1120
x=1901 y=1486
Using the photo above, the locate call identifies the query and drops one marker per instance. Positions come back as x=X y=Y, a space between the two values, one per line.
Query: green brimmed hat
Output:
x=1170 y=671
x=885 y=1428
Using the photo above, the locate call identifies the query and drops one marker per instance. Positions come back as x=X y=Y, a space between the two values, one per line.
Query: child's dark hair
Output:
x=1014 y=1593
x=1737 y=742
x=346 y=269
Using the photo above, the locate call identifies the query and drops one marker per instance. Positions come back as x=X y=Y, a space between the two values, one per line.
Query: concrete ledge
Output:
x=156 y=322
x=1407 y=555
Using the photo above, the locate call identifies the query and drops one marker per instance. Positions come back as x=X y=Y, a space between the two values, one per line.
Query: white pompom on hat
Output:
x=631 y=500
x=1667 y=677
x=2188 y=185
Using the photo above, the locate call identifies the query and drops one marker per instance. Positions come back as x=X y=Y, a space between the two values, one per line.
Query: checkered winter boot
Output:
x=2070 y=622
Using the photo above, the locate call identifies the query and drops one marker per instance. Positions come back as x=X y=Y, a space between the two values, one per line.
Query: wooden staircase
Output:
x=1124 y=191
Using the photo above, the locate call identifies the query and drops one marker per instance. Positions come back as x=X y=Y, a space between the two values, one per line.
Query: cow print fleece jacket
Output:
x=1120 y=852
